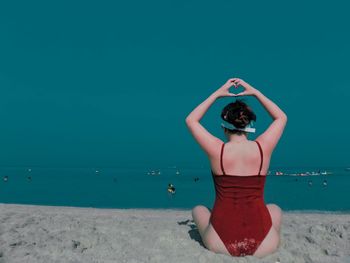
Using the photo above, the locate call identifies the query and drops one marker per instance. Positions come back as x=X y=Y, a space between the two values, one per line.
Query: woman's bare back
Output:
x=241 y=159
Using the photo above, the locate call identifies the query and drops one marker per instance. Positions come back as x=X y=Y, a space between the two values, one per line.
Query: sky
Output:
x=110 y=83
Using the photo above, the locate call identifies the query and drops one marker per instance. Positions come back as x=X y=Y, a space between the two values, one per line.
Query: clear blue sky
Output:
x=110 y=83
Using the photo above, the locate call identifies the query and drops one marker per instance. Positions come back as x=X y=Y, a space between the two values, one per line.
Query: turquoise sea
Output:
x=138 y=188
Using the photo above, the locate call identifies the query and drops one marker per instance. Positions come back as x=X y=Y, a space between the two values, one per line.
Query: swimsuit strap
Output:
x=222 y=152
x=261 y=156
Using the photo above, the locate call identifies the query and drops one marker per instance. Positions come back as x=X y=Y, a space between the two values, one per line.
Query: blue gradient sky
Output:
x=108 y=84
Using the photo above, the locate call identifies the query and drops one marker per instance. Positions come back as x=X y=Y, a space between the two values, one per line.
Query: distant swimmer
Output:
x=196 y=179
x=324 y=182
x=310 y=182
x=171 y=189
x=6 y=178
x=29 y=178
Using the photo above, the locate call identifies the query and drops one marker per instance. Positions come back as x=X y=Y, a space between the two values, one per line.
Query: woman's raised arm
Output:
x=273 y=133
x=209 y=143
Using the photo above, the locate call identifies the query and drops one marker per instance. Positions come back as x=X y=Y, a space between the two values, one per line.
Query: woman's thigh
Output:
x=201 y=216
x=269 y=245
x=276 y=215
x=272 y=239
x=211 y=240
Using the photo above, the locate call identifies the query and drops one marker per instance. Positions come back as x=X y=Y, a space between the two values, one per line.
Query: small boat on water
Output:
x=326 y=173
x=154 y=172
x=313 y=173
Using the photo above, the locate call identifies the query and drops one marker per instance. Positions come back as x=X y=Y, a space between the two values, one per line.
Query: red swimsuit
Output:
x=239 y=215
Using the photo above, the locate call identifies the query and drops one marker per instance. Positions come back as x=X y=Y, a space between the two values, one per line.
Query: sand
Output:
x=31 y=233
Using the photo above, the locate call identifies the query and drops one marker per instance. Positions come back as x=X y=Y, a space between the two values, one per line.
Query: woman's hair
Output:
x=239 y=114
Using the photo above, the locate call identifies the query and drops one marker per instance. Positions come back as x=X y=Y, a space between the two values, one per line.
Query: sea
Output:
x=293 y=189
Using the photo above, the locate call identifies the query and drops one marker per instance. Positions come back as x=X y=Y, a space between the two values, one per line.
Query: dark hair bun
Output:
x=238 y=113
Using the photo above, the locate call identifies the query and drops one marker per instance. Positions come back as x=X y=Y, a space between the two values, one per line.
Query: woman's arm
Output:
x=197 y=114
x=273 y=133
x=206 y=140
x=274 y=111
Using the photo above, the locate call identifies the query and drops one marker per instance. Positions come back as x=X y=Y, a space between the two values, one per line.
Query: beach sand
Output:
x=31 y=233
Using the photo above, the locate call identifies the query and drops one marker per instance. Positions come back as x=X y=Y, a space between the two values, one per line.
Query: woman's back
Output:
x=241 y=159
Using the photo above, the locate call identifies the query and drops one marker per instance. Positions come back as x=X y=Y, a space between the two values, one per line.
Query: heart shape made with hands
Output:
x=236 y=90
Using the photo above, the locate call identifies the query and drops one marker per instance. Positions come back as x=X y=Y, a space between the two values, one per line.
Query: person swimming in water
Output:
x=325 y=182
x=171 y=188
x=240 y=222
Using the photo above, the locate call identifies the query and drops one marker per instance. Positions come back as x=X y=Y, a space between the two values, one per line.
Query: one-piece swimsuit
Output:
x=240 y=216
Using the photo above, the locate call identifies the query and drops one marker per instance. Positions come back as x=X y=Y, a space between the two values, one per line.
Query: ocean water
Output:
x=136 y=188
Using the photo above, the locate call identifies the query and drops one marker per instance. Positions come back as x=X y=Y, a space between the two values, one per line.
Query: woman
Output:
x=240 y=223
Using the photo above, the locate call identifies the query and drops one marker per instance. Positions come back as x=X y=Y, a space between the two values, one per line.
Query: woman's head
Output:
x=239 y=114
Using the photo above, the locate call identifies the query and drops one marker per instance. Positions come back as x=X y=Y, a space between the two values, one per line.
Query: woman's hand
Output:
x=223 y=91
x=236 y=82
x=248 y=89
